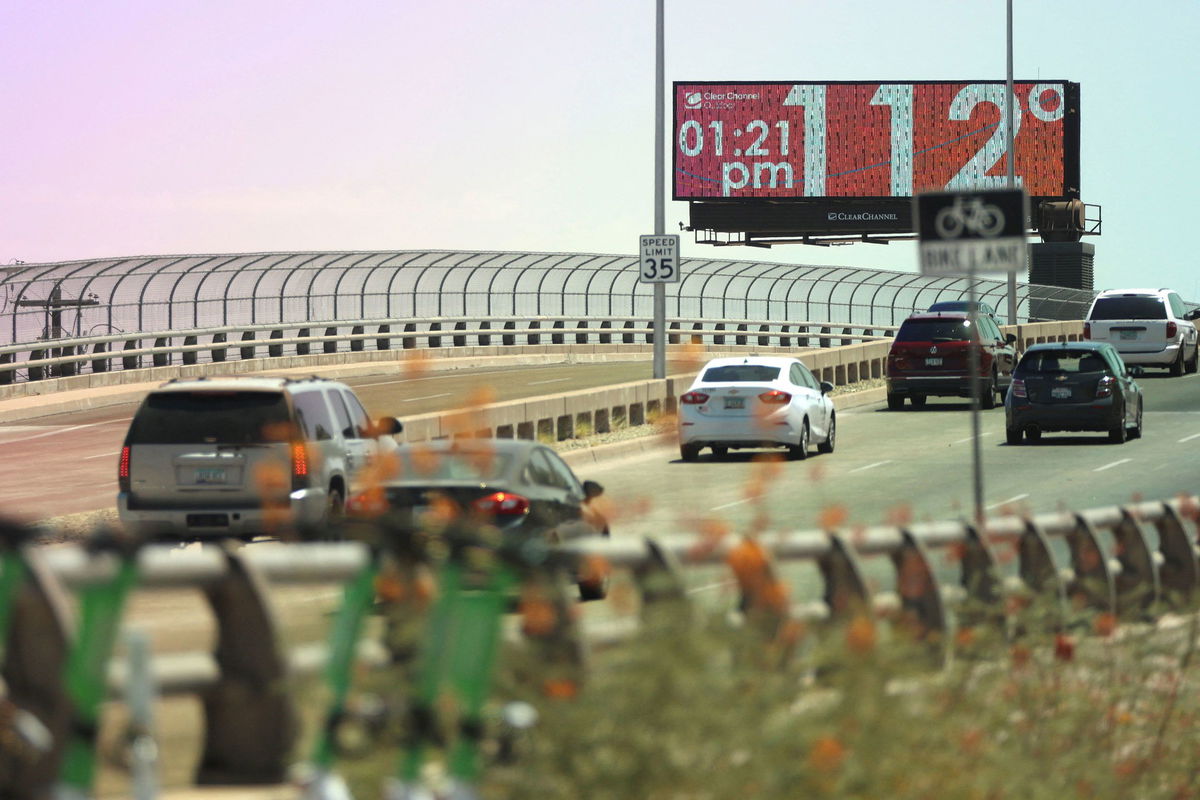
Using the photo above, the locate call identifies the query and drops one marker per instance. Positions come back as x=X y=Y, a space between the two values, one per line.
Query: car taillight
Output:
x=123 y=470
x=1105 y=387
x=1172 y=329
x=1018 y=388
x=693 y=398
x=299 y=466
x=502 y=504
x=1087 y=330
x=775 y=398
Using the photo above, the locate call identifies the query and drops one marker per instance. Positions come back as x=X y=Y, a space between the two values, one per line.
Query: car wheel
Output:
x=918 y=400
x=830 y=440
x=593 y=589
x=689 y=452
x=1193 y=365
x=1034 y=435
x=799 y=452
x=987 y=398
x=1177 y=365
x=895 y=401
x=335 y=512
x=1013 y=435
x=720 y=452
x=1136 y=431
x=1117 y=433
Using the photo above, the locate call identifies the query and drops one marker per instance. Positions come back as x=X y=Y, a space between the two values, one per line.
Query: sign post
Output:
x=965 y=233
x=658 y=263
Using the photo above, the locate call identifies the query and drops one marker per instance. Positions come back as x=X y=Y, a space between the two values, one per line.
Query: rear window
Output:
x=739 y=373
x=211 y=418
x=1128 y=308
x=423 y=463
x=933 y=330
x=1062 y=361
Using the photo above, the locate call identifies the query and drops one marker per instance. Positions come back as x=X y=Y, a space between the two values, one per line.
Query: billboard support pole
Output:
x=660 y=291
x=1012 y=154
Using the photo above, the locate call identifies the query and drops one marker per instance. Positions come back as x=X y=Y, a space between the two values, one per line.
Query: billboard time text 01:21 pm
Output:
x=794 y=140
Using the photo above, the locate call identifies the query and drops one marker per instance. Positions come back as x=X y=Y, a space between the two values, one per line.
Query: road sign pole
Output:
x=660 y=291
x=1012 y=157
x=974 y=342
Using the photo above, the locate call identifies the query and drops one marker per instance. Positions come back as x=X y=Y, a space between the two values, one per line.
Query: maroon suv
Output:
x=929 y=357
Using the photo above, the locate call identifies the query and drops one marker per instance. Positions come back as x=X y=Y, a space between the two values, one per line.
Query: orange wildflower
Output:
x=538 y=617
x=1020 y=655
x=860 y=635
x=964 y=637
x=826 y=754
x=1105 y=624
x=560 y=688
x=1064 y=647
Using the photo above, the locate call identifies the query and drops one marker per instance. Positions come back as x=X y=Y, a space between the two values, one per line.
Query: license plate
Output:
x=1129 y=334
x=933 y=362
x=735 y=402
x=1060 y=392
x=210 y=475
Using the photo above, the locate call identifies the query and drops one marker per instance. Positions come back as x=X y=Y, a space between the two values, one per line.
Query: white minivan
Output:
x=242 y=456
x=1150 y=327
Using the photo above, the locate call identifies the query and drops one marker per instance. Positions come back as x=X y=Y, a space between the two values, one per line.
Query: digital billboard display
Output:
x=805 y=140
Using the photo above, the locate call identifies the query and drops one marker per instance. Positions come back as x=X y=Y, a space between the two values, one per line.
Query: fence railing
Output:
x=1132 y=562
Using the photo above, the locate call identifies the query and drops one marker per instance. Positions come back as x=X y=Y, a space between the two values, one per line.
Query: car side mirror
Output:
x=1136 y=371
x=387 y=426
x=1010 y=338
x=1193 y=314
x=591 y=489
x=826 y=387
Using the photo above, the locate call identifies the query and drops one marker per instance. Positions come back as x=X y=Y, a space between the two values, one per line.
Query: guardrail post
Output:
x=801 y=340
x=825 y=340
x=921 y=609
x=696 y=337
x=740 y=340
x=846 y=592
x=247 y=351
x=435 y=341
x=1093 y=583
x=978 y=577
x=6 y=375
x=673 y=338
x=534 y=338
x=409 y=342
x=784 y=339
x=250 y=722
x=485 y=339
x=218 y=353
x=627 y=338
x=37 y=373
x=98 y=364
x=1180 y=572
x=384 y=342
x=460 y=340
x=133 y=362
x=162 y=359
x=509 y=339
x=1137 y=582
x=356 y=345
x=1038 y=571
x=329 y=345
x=303 y=348
x=719 y=338
x=764 y=341
x=650 y=336
x=581 y=338
x=65 y=370
x=275 y=350
x=189 y=356
x=605 y=338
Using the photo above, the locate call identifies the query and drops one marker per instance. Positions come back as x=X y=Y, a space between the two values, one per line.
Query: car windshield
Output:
x=1129 y=308
x=1054 y=362
x=476 y=464
x=740 y=373
x=933 y=330
x=211 y=417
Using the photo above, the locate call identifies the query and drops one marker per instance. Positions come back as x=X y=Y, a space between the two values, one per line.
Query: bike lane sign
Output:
x=963 y=233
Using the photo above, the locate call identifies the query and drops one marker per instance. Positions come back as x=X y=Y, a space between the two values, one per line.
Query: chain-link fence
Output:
x=156 y=293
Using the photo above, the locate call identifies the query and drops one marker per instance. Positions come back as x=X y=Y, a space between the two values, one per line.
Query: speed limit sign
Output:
x=659 y=258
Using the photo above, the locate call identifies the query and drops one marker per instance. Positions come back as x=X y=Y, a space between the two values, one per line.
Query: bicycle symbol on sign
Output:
x=972 y=215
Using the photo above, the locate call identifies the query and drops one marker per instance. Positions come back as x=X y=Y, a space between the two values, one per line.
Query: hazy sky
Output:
x=181 y=126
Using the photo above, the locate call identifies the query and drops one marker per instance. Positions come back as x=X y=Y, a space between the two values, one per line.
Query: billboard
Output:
x=863 y=141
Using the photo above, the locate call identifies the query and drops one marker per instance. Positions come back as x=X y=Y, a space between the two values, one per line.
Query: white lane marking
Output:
x=1189 y=438
x=731 y=505
x=24 y=428
x=440 y=375
x=969 y=438
x=709 y=587
x=870 y=466
x=1006 y=502
x=1113 y=464
x=67 y=429
x=101 y=455
x=426 y=397
x=553 y=380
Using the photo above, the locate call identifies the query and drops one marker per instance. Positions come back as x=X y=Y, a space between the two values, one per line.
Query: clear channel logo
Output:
x=692 y=100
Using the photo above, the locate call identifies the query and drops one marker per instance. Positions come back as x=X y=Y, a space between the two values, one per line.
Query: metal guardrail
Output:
x=33 y=361
x=1133 y=562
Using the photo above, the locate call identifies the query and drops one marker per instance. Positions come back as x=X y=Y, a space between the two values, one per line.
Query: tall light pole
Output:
x=660 y=211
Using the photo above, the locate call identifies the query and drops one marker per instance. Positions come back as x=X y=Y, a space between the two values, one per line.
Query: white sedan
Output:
x=756 y=401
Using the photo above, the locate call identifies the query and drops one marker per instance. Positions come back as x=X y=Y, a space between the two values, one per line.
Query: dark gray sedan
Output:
x=1073 y=386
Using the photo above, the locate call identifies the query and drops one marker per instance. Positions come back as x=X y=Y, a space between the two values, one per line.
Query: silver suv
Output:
x=217 y=457
x=1152 y=327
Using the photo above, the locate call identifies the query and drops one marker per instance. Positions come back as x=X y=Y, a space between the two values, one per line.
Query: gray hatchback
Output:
x=1073 y=386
